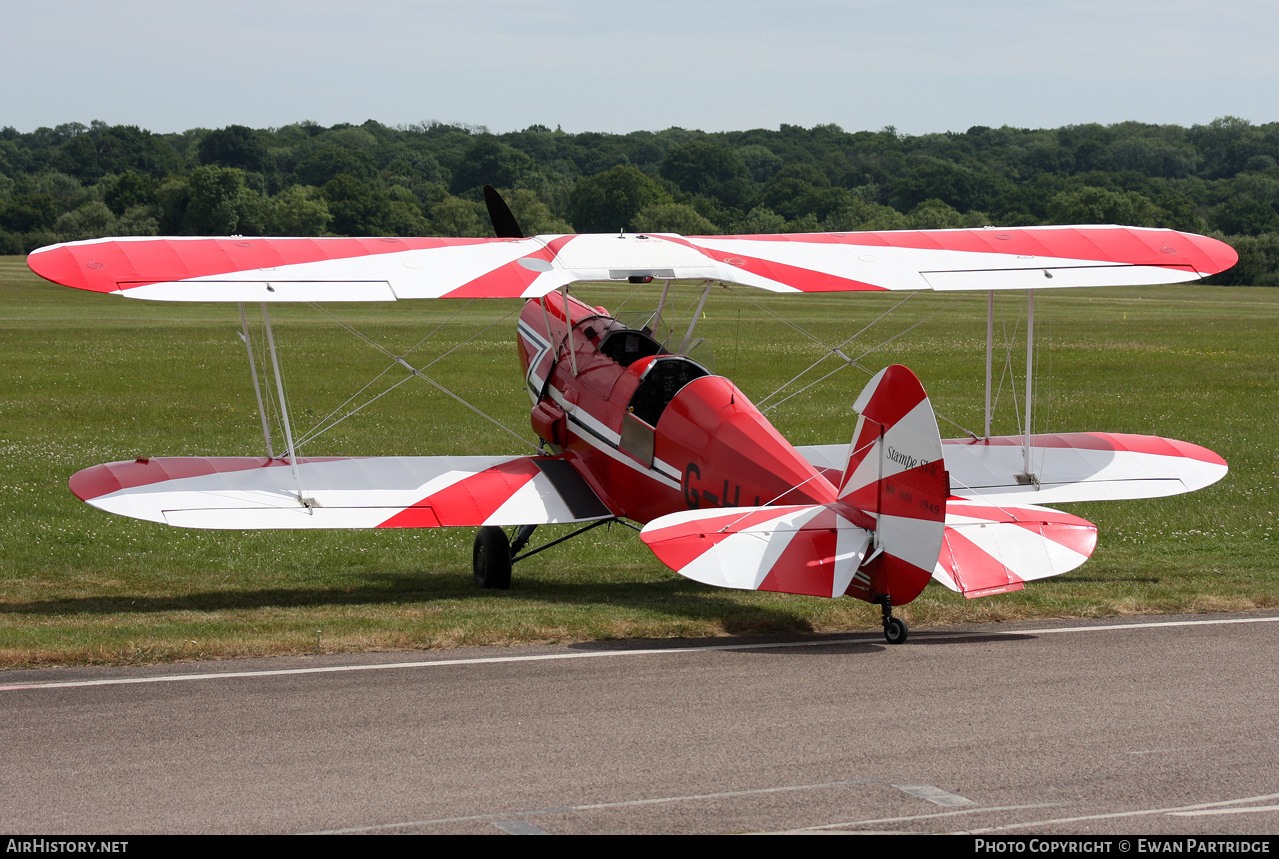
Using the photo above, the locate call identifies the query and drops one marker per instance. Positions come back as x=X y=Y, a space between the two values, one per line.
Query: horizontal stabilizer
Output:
x=1081 y=466
x=992 y=550
x=252 y=269
x=358 y=492
x=798 y=550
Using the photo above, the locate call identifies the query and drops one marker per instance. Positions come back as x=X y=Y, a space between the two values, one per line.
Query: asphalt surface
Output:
x=1151 y=725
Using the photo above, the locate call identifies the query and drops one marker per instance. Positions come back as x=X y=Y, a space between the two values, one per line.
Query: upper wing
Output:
x=369 y=492
x=386 y=269
x=1080 y=466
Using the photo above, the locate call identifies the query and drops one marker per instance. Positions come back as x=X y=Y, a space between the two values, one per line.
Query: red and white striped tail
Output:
x=805 y=549
x=880 y=537
x=896 y=475
x=993 y=550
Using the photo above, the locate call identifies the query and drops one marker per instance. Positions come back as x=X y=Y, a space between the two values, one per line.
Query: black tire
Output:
x=895 y=631
x=491 y=559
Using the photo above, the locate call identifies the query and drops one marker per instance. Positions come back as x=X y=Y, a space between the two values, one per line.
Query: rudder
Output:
x=896 y=475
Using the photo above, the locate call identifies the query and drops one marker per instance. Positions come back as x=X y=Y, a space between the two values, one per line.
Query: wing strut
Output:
x=568 y=323
x=290 y=454
x=683 y=349
x=1030 y=379
x=661 y=305
x=990 y=345
x=1027 y=476
x=257 y=387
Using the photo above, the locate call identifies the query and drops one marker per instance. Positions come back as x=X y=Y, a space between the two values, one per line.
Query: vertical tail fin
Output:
x=895 y=475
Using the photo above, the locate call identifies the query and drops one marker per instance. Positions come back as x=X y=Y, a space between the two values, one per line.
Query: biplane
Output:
x=631 y=428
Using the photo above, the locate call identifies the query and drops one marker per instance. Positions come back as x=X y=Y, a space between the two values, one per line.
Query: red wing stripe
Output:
x=780 y=273
x=1128 y=245
x=104 y=266
x=472 y=499
x=803 y=279
x=505 y=281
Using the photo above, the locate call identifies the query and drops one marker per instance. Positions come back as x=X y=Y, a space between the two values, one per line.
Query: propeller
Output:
x=504 y=223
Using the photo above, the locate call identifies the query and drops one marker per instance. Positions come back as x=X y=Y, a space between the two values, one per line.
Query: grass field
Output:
x=92 y=378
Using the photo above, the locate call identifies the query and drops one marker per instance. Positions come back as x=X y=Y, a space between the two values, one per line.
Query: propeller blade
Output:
x=504 y=223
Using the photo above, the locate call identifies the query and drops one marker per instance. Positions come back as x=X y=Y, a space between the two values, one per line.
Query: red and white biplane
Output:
x=631 y=429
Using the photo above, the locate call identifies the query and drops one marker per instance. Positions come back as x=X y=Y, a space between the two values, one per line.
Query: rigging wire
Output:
x=319 y=427
x=831 y=350
x=1007 y=369
x=413 y=372
x=856 y=362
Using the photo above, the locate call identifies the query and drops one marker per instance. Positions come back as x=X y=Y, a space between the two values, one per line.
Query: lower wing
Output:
x=1065 y=467
x=354 y=492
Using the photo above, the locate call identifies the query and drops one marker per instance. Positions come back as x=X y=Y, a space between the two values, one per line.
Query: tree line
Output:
x=76 y=181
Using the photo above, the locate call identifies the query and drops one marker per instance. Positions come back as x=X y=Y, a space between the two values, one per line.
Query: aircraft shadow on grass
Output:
x=674 y=598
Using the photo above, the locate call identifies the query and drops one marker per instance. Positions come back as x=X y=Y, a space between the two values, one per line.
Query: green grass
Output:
x=93 y=378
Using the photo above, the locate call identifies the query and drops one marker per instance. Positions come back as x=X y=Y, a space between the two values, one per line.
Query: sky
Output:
x=595 y=65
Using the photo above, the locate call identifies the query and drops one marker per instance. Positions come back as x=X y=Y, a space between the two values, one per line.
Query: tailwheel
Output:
x=491 y=560
x=895 y=629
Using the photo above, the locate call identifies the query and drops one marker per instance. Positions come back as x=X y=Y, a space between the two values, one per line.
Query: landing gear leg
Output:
x=491 y=559
x=521 y=539
x=495 y=553
x=895 y=630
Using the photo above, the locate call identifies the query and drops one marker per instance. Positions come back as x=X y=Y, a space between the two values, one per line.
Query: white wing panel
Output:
x=615 y=257
x=242 y=492
x=1054 y=275
x=1069 y=467
x=1080 y=467
x=264 y=290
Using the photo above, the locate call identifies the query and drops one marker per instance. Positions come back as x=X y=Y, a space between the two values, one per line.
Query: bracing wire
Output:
x=856 y=362
x=830 y=350
x=320 y=426
x=418 y=372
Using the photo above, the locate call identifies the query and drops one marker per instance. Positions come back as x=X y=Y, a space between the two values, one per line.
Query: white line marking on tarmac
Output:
x=519 y=827
x=1162 y=751
x=1184 y=809
x=1223 y=811
x=935 y=795
x=911 y=817
x=600 y=654
x=596 y=806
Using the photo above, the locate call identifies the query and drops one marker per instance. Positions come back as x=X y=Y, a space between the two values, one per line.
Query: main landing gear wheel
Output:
x=491 y=559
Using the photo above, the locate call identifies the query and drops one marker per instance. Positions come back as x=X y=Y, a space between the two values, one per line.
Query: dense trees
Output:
x=77 y=181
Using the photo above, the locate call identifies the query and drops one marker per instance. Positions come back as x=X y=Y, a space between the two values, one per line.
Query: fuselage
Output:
x=651 y=432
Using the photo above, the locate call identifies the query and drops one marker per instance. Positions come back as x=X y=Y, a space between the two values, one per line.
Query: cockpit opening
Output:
x=663 y=379
x=626 y=346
